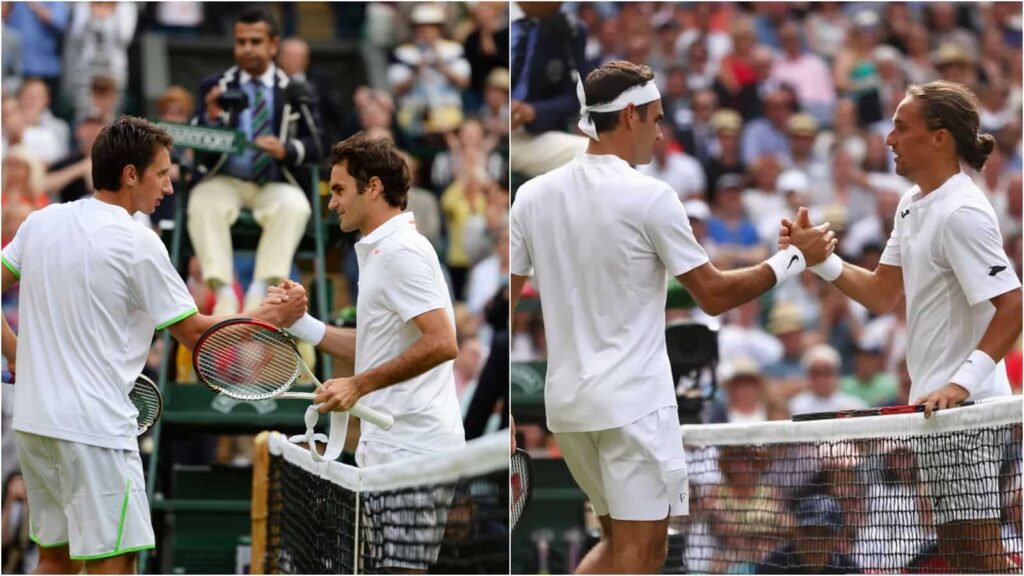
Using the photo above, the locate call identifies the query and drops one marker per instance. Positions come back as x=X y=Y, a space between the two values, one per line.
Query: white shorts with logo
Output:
x=962 y=477
x=90 y=498
x=401 y=528
x=636 y=472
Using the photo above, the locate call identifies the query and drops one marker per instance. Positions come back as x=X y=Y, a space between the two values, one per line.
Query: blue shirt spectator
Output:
x=41 y=26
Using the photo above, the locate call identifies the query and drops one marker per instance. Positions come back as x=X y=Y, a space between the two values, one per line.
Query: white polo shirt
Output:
x=951 y=252
x=94 y=286
x=400 y=278
x=601 y=240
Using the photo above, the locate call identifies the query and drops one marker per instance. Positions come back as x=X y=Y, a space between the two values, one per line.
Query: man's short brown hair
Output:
x=126 y=141
x=607 y=82
x=365 y=158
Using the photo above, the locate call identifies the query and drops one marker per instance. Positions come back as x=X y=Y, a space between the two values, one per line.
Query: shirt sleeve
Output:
x=12 y=254
x=158 y=288
x=973 y=248
x=520 y=262
x=891 y=255
x=668 y=228
x=415 y=285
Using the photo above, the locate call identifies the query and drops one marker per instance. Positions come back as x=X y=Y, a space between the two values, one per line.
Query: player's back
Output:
x=83 y=335
x=590 y=230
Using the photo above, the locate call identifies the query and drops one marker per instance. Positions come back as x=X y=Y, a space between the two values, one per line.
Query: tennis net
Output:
x=446 y=513
x=863 y=494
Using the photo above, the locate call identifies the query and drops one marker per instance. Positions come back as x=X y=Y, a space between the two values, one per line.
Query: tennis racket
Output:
x=251 y=360
x=858 y=413
x=521 y=482
x=147 y=399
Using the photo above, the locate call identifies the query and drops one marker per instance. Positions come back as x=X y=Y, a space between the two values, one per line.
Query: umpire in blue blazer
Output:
x=251 y=97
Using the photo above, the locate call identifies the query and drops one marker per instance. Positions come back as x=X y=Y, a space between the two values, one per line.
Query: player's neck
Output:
x=934 y=177
x=378 y=218
x=611 y=144
x=120 y=198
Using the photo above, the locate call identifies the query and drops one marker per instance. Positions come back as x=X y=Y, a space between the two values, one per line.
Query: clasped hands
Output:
x=816 y=243
x=290 y=300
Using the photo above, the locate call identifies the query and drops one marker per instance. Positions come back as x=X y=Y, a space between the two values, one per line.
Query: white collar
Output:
x=392 y=225
x=267 y=78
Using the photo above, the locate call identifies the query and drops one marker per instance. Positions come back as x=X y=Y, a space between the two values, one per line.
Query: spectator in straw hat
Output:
x=821 y=364
x=724 y=156
x=495 y=112
x=786 y=323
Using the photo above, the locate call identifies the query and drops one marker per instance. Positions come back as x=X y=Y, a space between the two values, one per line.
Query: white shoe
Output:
x=226 y=306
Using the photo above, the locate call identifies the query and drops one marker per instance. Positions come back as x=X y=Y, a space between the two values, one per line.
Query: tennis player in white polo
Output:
x=94 y=285
x=600 y=240
x=404 y=341
x=963 y=304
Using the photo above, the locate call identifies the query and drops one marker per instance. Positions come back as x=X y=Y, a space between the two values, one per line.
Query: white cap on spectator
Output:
x=865 y=19
x=886 y=53
x=792 y=181
x=427 y=14
x=820 y=353
x=737 y=368
x=697 y=209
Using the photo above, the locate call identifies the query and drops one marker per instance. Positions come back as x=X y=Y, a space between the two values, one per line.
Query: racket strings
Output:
x=247 y=361
x=146 y=399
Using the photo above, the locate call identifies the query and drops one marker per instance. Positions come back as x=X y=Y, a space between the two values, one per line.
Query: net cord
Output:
x=479 y=457
x=988 y=413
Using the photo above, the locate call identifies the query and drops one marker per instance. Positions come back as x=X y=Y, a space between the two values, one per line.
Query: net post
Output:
x=258 y=514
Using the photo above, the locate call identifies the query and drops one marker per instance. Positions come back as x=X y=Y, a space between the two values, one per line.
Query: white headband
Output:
x=637 y=95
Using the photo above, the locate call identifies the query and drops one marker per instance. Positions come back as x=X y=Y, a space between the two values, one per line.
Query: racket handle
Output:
x=378 y=419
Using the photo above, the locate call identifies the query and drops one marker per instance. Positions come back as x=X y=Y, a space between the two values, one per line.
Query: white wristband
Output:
x=309 y=329
x=974 y=371
x=787 y=264
x=831 y=269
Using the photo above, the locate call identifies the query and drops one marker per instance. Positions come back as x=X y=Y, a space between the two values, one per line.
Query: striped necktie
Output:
x=262 y=162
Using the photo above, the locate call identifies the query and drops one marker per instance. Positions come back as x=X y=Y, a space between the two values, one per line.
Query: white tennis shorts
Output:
x=961 y=475
x=401 y=529
x=636 y=472
x=90 y=498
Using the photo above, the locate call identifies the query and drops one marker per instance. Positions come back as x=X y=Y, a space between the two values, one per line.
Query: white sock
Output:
x=258 y=288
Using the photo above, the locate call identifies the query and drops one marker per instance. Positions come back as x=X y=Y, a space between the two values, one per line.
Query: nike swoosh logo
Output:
x=795 y=258
x=904 y=213
x=995 y=270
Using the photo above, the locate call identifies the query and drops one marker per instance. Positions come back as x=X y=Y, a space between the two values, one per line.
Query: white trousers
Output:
x=282 y=210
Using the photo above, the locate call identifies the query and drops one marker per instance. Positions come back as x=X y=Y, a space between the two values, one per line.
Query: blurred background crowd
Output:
x=432 y=77
x=770 y=106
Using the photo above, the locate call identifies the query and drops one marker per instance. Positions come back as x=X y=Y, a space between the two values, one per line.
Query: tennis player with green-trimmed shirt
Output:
x=94 y=285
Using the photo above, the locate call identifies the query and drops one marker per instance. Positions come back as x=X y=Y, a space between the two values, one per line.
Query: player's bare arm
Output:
x=999 y=337
x=878 y=290
x=435 y=346
x=717 y=291
x=284 y=313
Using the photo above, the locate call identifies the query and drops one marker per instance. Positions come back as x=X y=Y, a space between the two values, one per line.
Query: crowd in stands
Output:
x=433 y=77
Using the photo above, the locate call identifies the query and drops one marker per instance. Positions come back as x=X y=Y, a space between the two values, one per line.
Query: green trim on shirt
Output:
x=9 y=266
x=177 y=318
